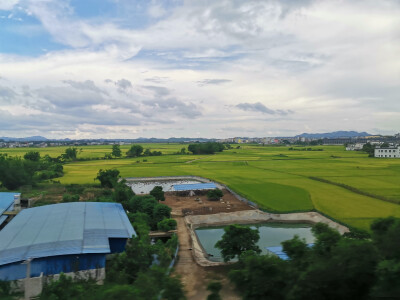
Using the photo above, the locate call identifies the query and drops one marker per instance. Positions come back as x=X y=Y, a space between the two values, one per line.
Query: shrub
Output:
x=166 y=225
x=214 y=194
x=70 y=198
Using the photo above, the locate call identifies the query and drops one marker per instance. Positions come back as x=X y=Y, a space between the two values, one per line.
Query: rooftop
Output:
x=63 y=229
x=6 y=204
x=195 y=186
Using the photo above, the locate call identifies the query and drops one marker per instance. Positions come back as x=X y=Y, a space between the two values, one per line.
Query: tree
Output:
x=147 y=152
x=261 y=277
x=160 y=212
x=122 y=192
x=116 y=151
x=214 y=194
x=206 y=148
x=70 y=153
x=32 y=155
x=236 y=240
x=214 y=287
x=108 y=178
x=166 y=225
x=158 y=193
x=134 y=151
x=16 y=172
x=370 y=149
x=173 y=289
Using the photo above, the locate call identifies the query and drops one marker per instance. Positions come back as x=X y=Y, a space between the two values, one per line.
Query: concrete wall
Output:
x=33 y=286
x=247 y=217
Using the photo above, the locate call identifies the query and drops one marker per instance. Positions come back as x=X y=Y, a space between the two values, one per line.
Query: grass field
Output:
x=274 y=177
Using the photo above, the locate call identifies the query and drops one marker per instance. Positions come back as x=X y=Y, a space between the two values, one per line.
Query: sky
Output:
x=215 y=69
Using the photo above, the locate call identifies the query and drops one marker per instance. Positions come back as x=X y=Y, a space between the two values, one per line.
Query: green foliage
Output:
x=116 y=151
x=173 y=289
x=214 y=287
x=5 y=289
x=32 y=155
x=386 y=235
x=370 y=149
x=206 y=148
x=147 y=152
x=166 y=225
x=16 y=172
x=214 y=194
x=160 y=212
x=108 y=178
x=261 y=277
x=158 y=193
x=70 y=198
x=356 y=233
x=71 y=153
x=134 y=151
x=122 y=192
x=336 y=267
x=236 y=240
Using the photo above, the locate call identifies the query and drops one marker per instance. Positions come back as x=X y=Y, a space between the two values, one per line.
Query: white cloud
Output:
x=211 y=68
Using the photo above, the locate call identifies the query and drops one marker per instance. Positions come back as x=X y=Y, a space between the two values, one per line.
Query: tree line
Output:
x=357 y=265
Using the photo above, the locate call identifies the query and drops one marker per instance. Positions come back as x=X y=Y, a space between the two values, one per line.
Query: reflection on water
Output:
x=271 y=234
x=144 y=187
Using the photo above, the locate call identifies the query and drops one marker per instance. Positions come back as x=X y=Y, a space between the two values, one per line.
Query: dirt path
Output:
x=196 y=278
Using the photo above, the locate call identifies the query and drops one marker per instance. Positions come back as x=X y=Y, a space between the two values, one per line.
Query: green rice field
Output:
x=276 y=178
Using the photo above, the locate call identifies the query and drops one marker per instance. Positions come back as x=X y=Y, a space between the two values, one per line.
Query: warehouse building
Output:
x=70 y=238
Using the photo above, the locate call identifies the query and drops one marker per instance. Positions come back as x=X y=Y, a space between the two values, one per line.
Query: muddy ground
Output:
x=200 y=205
x=194 y=277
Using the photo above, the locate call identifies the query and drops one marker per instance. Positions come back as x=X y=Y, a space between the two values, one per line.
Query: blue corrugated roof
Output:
x=6 y=204
x=62 y=229
x=195 y=186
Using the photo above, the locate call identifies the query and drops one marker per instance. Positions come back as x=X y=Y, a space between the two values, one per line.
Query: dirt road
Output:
x=196 y=278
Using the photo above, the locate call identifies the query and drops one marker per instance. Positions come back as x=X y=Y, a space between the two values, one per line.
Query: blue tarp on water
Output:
x=278 y=251
x=63 y=229
x=195 y=186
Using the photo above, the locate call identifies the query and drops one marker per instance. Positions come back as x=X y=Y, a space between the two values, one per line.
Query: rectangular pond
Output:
x=144 y=187
x=271 y=234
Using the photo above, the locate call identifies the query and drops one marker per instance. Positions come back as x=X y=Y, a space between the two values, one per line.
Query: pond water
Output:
x=144 y=187
x=271 y=234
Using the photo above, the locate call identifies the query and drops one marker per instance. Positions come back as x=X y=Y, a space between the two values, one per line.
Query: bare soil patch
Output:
x=195 y=277
x=200 y=205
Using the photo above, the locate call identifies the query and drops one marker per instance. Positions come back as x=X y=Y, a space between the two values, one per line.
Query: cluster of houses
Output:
x=388 y=150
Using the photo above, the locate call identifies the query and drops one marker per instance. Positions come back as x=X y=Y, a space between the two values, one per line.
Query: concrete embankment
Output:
x=247 y=217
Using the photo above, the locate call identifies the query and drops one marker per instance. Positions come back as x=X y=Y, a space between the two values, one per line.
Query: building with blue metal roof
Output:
x=194 y=187
x=7 y=201
x=67 y=237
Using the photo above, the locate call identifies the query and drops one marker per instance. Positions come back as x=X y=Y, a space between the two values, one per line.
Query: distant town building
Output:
x=355 y=147
x=389 y=152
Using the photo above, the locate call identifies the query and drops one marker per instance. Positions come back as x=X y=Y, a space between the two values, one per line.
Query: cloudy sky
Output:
x=127 y=69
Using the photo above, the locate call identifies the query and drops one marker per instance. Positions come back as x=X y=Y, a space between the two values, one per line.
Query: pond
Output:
x=144 y=187
x=271 y=234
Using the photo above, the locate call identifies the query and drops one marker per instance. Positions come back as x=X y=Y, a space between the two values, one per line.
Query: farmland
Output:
x=275 y=178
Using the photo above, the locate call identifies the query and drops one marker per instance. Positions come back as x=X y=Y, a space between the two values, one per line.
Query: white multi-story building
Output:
x=390 y=152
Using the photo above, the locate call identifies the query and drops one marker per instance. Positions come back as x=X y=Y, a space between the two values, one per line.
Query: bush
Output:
x=214 y=194
x=70 y=198
x=167 y=225
x=108 y=178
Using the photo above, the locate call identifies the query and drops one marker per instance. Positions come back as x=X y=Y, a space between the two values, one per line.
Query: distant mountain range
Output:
x=335 y=134
x=138 y=140
x=25 y=139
